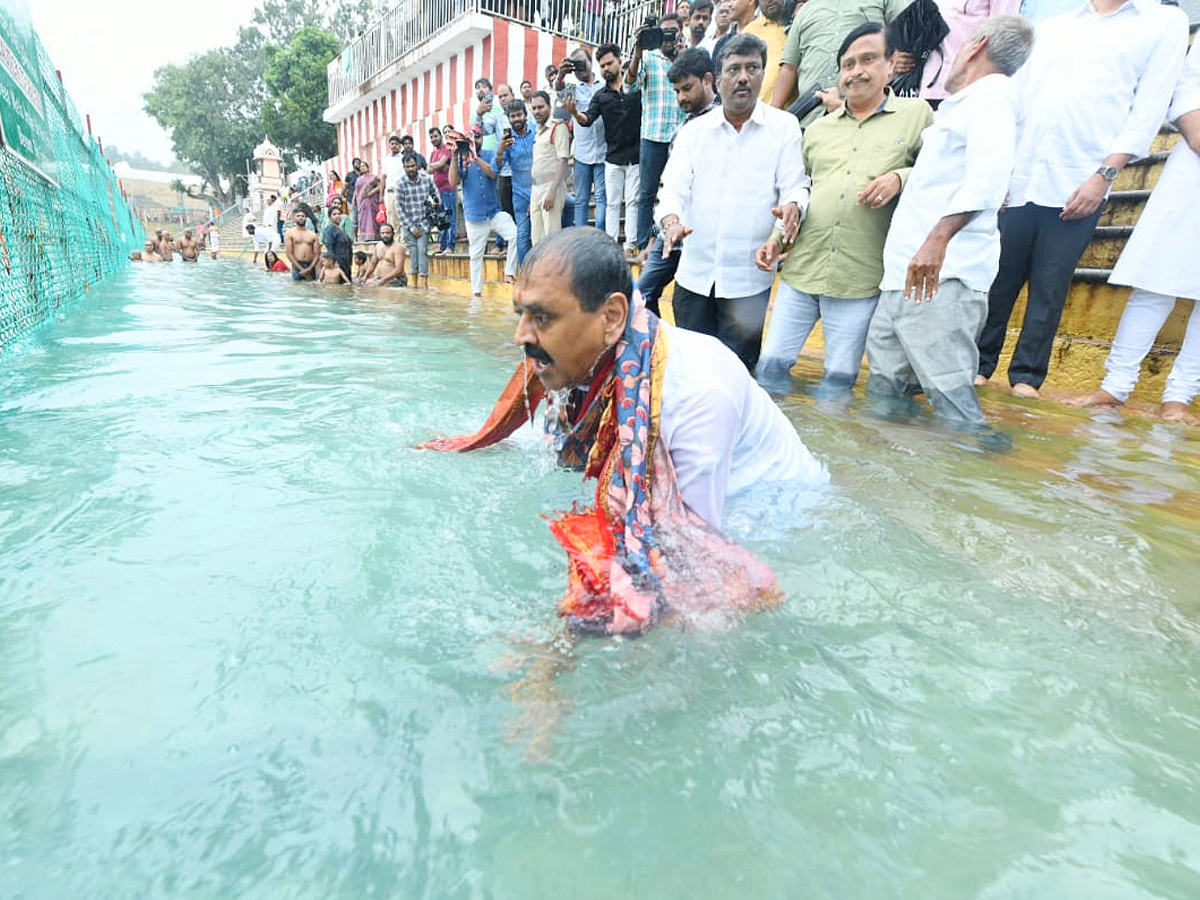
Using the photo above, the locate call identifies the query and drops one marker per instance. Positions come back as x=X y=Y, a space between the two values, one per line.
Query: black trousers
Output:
x=504 y=194
x=1038 y=247
x=737 y=322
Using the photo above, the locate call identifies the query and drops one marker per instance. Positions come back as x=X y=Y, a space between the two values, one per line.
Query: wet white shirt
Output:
x=1093 y=86
x=965 y=163
x=723 y=183
x=724 y=433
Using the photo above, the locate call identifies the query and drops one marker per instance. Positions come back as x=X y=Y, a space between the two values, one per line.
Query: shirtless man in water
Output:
x=189 y=247
x=166 y=244
x=302 y=249
x=150 y=252
x=388 y=267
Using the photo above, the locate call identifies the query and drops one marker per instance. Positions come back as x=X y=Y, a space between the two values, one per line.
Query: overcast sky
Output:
x=108 y=51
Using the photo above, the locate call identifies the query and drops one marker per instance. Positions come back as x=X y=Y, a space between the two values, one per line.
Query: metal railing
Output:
x=407 y=27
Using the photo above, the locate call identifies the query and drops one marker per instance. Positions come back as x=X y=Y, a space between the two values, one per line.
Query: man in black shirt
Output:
x=621 y=113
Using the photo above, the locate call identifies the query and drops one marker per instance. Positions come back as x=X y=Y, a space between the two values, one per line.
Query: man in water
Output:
x=189 y=247
x=670 y=423
x=301 y=247
x=386 y=265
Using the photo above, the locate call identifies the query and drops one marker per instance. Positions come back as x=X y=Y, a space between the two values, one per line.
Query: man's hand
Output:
x=767 y=255
x=505 y=144
x=415 y=231
x=672 y=235
x=789 y=220
x=924 y=272
x=880 y=192
x=1086 y=199
x=569 y=104
x=565 y=68
x=903 y=62
x=548 y=203
x=483 y=108
x=830 y=99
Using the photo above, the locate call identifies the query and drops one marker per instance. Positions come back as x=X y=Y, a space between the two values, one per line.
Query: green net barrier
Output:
x=65 y=225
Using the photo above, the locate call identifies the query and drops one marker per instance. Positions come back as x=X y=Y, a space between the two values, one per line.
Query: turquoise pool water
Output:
x=254 y=645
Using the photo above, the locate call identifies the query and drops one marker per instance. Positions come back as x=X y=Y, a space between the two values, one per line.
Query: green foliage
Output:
x=297 y=94
x=218 y=106
x=212 y=108
x=345 y=19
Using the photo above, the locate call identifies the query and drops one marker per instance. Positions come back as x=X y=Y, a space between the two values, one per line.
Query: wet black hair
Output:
x=593 y=262
x=862 y=31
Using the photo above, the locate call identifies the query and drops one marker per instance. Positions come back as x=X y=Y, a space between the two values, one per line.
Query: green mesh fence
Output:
x=56 y=240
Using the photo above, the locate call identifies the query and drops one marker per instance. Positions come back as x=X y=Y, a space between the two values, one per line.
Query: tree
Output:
x=279 y=20
x=295 y=77
x=212 y=106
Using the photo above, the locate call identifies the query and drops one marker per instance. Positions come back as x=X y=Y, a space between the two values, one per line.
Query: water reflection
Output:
x=256 y=645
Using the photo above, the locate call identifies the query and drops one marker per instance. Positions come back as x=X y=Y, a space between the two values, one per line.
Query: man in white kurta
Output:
x=1159 y=264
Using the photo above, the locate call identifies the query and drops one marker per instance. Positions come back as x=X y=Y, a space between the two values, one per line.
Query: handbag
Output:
x=919 y=29
x=381 y=215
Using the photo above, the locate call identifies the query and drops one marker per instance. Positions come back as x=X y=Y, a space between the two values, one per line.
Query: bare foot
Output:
x=1174 y=411
x=980 y=381
x=1028 y=391
x=1096 y=399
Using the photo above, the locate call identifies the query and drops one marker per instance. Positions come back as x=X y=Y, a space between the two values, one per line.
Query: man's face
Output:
x=551 y=74
x=699 y=23
x=406 y=143
x=740 y=9
x=435 y=138
x=410 y=169
x=518 y=119
x=693 y=94
x=541 y=109
x=394 y=146
x=771 y=9
x=504 y=94
x=299 y=218
x=526 y=91
x=149 y=246
x=356 y=164
x=670 y=30
x=741 y=80
x=562 y=340
x=481 y=90
x=864 y=69
x=610 y=68
x=387 y=234
x=724 y=15
x=954 y=81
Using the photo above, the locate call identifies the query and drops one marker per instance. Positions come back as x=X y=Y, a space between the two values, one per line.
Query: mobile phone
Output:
x=507 y=133
x=580 y=66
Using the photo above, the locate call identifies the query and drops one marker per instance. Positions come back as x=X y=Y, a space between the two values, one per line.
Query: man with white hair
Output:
x=943 y=245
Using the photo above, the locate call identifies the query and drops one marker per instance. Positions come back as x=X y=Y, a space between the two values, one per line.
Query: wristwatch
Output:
x=1108 y=173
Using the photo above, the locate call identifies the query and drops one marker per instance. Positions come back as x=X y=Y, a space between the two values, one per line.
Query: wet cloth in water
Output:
x=639 y=553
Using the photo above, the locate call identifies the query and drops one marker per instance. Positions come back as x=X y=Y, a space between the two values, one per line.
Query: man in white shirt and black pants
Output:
x=1093 y=96
x=943 y=245
x=730 y=174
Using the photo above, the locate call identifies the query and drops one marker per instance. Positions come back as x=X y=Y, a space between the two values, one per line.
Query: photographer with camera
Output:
x=590 y=145
x=474 y=168
x=654 y=50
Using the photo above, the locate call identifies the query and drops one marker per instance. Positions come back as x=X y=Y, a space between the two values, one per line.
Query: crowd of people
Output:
x=189 y=245
x=747 y=140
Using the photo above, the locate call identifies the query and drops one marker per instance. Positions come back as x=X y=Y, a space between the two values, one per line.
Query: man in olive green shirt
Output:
x=818 y=29
x=858 y=158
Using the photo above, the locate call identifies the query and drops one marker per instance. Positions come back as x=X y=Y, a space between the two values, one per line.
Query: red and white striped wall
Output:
x=442 y=92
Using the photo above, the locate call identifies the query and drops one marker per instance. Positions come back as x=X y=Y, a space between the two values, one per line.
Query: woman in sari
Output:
x=366 y=202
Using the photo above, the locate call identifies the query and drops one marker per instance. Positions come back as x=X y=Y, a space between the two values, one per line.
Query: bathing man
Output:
x=668 y=421
x=301 y=246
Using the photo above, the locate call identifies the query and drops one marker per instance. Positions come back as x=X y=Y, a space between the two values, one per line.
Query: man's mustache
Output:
x=537 y=353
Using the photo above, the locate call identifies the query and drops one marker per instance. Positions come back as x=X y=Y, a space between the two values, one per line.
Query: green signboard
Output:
x=23 y=128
